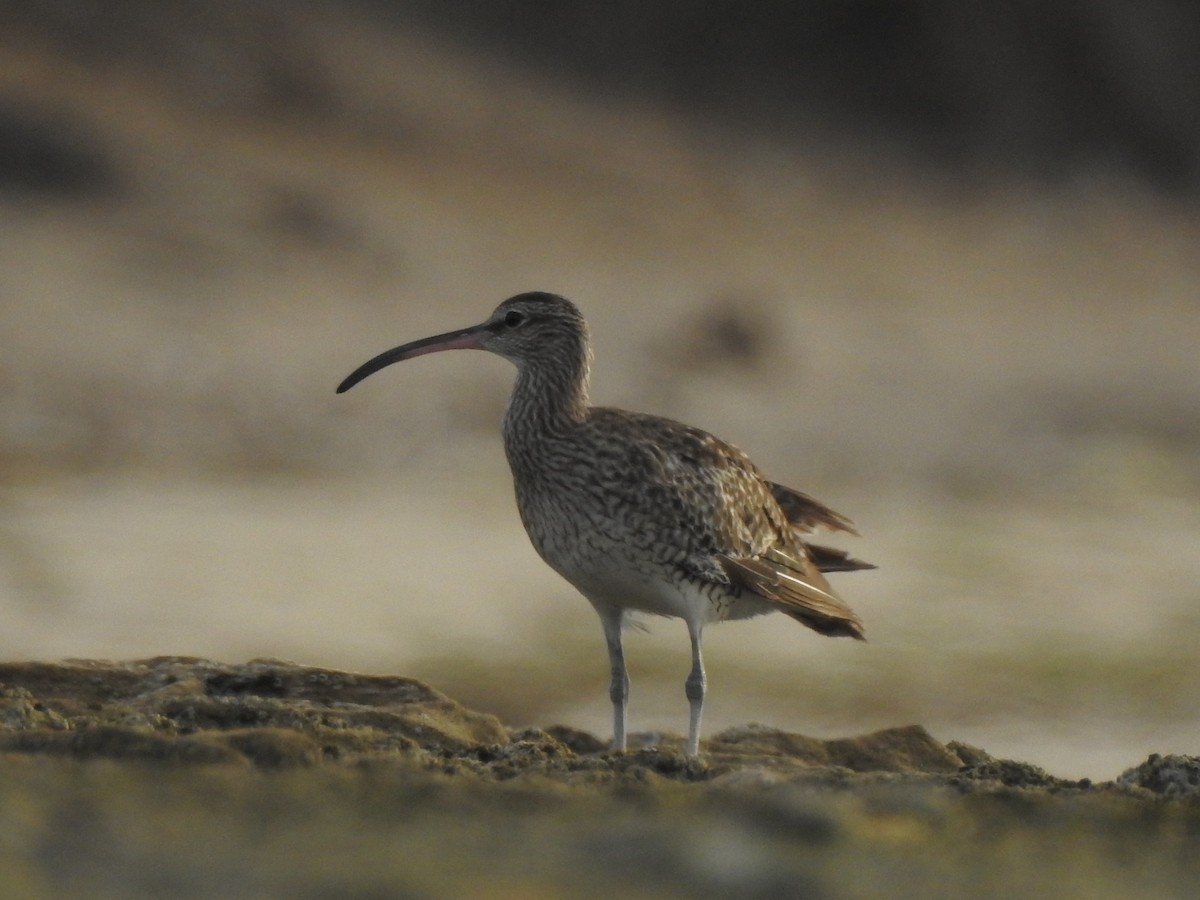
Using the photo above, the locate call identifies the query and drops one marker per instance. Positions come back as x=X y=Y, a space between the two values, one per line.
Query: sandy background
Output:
x=207 y=224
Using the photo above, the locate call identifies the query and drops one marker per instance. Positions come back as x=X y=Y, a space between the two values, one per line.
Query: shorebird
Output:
x=642 y=513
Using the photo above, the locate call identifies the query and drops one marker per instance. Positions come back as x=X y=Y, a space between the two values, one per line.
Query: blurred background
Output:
x=937 y=265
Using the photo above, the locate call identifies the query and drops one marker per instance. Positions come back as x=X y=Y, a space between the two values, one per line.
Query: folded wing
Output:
x=792 y=581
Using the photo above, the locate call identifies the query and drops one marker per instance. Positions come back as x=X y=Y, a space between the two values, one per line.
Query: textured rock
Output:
x=907 y=749
x=184 y=777
x=1171 y=775
x=265 y=711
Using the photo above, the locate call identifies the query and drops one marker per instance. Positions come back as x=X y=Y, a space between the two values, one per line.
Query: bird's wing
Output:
x=792 y=581
x=663 y=477
x=727 y=523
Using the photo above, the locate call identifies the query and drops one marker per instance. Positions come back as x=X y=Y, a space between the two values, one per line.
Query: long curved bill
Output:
x=463 y=339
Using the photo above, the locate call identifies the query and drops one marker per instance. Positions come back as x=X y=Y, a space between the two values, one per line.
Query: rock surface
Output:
x=185 y=777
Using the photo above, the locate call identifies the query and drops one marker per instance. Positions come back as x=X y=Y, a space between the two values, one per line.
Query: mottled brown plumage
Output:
x=641 y=513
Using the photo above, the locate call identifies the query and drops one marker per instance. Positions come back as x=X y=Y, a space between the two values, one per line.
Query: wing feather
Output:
x=733 y=524
x=796 y=586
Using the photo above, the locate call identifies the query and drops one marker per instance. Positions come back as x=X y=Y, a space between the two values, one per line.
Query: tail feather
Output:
x=806 y=514
x=831 y=559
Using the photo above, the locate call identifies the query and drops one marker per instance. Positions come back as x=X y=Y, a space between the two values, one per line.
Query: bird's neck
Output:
x=547 y=400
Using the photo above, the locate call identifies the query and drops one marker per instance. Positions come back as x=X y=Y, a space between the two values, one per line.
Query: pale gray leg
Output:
x=618 y=689
x=694 y=688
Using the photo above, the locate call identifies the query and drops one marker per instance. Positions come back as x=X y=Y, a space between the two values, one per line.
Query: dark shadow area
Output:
x=56 y=155
x=1033 y=89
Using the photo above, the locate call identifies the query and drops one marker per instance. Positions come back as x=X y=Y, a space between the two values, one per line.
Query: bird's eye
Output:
x=512 y=318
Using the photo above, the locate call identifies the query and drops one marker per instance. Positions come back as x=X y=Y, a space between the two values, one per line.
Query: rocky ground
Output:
x=185 y=777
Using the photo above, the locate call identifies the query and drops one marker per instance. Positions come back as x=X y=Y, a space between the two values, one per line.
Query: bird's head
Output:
x=529 y=329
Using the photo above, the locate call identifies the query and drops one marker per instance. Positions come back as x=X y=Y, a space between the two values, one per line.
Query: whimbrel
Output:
x=641 y=513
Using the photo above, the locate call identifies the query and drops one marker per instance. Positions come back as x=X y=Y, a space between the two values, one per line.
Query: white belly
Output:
x=624 y=584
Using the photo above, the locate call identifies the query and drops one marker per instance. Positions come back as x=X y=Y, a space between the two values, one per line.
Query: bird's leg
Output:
x=694 y=688
x=618 y=689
